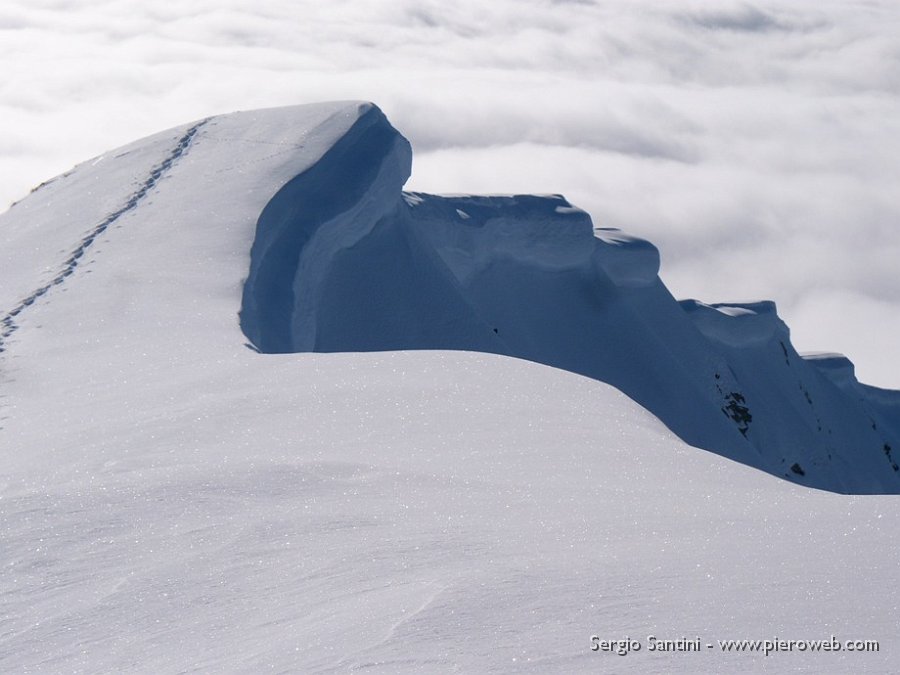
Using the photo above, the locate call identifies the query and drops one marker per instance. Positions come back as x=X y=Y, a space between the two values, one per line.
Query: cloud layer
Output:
x=758 y=145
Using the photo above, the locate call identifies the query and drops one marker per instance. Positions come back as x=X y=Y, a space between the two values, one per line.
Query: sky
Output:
x=756 y=144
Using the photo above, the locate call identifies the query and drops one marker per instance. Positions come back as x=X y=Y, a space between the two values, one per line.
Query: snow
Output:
x=355 y=264
x=172 y=500
x=62 y=210
x=836 y=367
x=414 y=511
x=626 y=259
x=737 y=325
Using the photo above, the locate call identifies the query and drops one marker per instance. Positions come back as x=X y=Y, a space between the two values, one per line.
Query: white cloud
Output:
x=854 y=324
x=755 y=143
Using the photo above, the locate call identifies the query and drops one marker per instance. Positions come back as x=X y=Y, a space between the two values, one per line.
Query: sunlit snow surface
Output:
x=418 y=512
x=171 y=500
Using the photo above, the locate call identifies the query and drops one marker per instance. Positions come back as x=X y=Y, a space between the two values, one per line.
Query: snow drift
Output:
x=330 y=255
x=343 y=260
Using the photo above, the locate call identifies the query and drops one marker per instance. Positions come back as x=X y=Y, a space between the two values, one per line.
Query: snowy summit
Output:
x=258 y=412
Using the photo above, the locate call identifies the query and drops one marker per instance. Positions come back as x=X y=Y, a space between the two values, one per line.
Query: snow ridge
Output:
x=341 y=259
x=344 y=261
x=9 y=323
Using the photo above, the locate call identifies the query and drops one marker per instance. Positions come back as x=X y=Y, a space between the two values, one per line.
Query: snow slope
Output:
x=413 y=512
x=172 y=500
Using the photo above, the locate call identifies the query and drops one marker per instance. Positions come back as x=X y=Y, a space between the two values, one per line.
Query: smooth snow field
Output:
x=411 y=512
x=199 y=476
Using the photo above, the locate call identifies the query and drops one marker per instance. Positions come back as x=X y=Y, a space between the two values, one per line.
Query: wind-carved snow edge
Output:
x=9 y=324
x=344 y=261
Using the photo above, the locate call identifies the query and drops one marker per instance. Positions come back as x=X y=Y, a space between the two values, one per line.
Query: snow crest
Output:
x=344 y=261
x=296 y=220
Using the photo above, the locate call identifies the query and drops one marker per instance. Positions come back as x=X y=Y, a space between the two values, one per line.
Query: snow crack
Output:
x=9 y=323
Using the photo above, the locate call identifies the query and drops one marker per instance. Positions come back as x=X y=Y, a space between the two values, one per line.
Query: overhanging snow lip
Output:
x=294 y=214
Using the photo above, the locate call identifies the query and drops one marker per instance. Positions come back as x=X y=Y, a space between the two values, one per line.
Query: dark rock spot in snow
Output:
x=738 y=412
